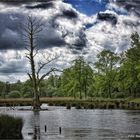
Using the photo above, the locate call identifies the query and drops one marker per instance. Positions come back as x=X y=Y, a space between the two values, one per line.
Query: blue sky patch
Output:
x=88 y=7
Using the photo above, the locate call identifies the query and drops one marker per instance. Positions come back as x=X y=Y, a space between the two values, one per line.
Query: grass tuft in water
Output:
x=10 y=127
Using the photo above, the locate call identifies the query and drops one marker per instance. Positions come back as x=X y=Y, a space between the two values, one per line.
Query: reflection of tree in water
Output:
x=36 y=125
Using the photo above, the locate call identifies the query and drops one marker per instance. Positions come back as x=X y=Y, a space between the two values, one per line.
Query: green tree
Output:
x=131 y=66
x=2 y=89
x=106 y=68
x=26 y=89
x=76 y=80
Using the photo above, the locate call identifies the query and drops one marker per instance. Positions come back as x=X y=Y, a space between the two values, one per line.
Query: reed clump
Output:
x=10 y=127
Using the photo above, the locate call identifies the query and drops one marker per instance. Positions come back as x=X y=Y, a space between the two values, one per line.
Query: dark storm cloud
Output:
x=130 y=5
x=49 y=38
x=20 y=2
x=70 y=14
x=13 y=67
x=81 y=42
x=131 y=23
x=11 y=38
x=41 y=6
x=9 y=32
x=107 y=17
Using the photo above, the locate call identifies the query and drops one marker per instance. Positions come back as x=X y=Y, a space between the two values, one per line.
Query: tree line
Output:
x=111 y=76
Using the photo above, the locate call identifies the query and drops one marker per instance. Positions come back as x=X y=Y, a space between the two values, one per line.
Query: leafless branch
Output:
x=29 y=76
x=46 y=74
x=48 y=61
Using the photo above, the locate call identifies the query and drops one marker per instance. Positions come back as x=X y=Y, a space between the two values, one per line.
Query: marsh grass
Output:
x=91 y=103
x=10 y=127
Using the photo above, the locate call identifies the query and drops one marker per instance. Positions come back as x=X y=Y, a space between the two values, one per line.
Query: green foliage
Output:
x=77 y=80
x=14 y=94
x=10 y=127
x=106 y=68
x=2 y=86
x=130 y=68
x=26 y=89
x=119 y=95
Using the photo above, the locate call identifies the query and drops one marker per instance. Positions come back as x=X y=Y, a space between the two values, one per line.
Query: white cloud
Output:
x=101 y=34
x=113 y=6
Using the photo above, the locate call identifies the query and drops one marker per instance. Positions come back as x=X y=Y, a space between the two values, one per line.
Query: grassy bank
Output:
x=94 y=103
x=136 y=100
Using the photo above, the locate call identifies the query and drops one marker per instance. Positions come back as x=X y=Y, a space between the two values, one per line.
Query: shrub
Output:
x=27 y=95
x=119 y=95
x=14 y=94
x=10 y=127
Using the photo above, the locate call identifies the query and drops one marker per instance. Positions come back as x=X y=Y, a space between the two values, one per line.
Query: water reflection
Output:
x=36 y=134
x=80 y=124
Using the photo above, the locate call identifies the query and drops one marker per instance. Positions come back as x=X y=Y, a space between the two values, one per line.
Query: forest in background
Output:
x=111 y=76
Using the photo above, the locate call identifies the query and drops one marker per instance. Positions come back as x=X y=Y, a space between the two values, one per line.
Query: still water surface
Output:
x=79 y=124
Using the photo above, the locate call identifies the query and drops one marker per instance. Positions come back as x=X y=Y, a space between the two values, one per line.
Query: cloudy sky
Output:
x=72 y=28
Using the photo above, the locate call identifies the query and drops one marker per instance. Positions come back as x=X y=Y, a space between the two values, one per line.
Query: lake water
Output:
x=78 y=124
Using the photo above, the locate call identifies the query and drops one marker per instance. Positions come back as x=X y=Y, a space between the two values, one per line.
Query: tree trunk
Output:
x=85 y=87
x=36 y=100
x=73 y=92
x=109 y=90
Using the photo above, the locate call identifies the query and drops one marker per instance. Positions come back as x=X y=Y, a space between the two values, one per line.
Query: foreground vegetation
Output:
x=10 y=127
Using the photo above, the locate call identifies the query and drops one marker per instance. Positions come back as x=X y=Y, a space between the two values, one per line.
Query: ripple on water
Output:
x=78 y=124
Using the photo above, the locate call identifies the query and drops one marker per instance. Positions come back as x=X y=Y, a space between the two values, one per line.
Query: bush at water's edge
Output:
x=10 y=127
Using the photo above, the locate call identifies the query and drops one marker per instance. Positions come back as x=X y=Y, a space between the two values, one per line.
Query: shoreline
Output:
x=77 y=103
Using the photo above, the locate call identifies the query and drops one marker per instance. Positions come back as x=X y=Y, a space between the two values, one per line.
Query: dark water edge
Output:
x=78 y=124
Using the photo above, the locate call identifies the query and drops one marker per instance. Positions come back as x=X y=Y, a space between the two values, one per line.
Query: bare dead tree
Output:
x=31 y=29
